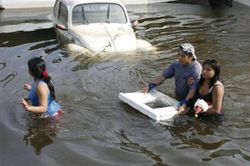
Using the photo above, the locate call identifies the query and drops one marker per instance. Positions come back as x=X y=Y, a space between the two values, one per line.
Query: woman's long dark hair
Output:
x=37 y=68
x=216 y=67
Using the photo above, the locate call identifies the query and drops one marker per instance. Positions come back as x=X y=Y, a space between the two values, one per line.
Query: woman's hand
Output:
x=27 y=87
x=25 y=104
x=198 y=110
x=200 y=106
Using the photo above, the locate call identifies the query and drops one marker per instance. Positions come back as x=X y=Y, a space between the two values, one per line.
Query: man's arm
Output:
x=156 y=81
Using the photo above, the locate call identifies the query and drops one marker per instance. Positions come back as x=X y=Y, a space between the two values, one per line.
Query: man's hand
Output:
x=190 y=81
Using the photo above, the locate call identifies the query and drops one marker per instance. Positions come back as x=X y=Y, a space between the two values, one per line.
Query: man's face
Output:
x=183 y=58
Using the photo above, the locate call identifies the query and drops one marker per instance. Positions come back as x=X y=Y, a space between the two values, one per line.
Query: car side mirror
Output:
x=61 y=26
x=135 y=23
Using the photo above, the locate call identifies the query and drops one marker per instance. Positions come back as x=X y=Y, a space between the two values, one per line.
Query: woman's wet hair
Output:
x=216 y=67
x=37 y=68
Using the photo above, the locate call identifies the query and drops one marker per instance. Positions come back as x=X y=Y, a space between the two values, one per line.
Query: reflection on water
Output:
x=130 y=146
x=2 y=65
x=37 y=139
x=40 y=132
x=97 y=128
x=42 y=35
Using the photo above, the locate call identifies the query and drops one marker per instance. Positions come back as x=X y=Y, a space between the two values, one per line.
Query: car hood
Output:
x=105 y=37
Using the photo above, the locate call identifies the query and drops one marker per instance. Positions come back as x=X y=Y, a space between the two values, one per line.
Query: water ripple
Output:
x=231 y=152
x=2 y=65
x=7 y=79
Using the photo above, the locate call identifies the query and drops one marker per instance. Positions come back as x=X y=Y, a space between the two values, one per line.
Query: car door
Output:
x=62 y=30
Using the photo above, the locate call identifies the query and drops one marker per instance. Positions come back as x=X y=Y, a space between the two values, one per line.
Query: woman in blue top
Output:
x=42 y=92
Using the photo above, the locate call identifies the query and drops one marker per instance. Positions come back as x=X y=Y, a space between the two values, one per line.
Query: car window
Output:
x=98 y=13
x=55 y=8
x=63 y=14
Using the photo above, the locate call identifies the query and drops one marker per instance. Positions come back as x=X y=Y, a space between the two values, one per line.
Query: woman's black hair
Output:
x=216 y=67
x=37 y=68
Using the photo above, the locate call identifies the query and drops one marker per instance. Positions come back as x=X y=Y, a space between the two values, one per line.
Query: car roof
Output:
x=76 y=2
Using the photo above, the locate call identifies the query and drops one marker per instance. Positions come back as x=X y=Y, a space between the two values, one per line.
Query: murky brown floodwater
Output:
x=98 y=129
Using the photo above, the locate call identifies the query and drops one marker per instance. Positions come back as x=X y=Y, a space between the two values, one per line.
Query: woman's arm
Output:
x=183 y=109
x=218 y=94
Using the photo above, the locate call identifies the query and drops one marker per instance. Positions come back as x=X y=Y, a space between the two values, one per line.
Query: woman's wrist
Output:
x=28 y=108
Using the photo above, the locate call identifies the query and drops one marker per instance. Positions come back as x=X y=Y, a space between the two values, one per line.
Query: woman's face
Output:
x=207 y=72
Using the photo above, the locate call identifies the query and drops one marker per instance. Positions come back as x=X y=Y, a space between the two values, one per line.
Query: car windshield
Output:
x=98 y=13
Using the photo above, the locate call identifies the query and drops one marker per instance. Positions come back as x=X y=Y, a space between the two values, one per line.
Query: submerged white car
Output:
x=98 y=25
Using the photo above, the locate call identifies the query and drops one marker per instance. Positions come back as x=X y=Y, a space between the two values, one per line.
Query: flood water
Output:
x=97 y=128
